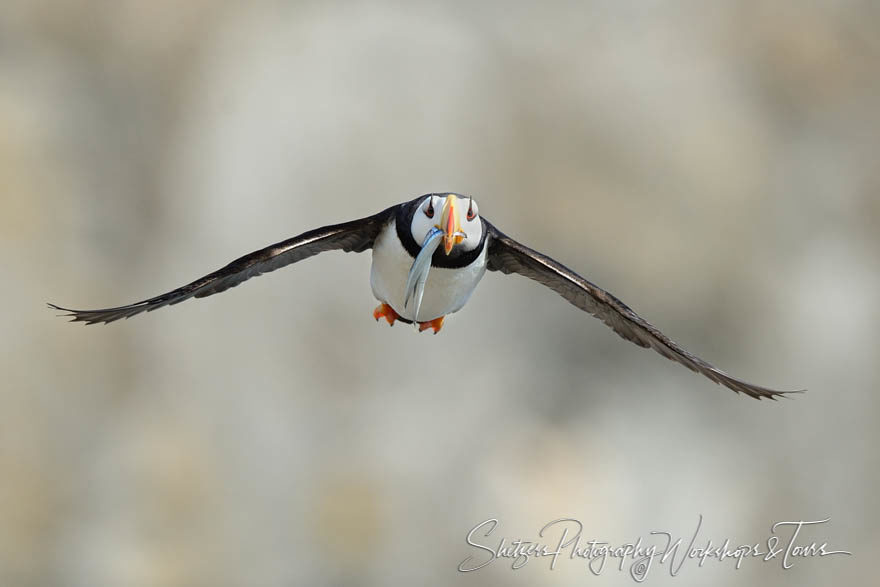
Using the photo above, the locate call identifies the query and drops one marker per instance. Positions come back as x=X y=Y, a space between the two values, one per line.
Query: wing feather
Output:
x=355 y=236
x=509 y=256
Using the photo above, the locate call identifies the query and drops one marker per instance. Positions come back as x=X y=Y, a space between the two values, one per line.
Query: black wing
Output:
x=355 y=236
x=509 y=256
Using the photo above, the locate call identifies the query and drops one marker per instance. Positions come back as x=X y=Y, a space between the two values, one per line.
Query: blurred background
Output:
x=715 y=165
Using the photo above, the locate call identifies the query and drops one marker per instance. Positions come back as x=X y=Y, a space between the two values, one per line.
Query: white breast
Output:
x=446 y=291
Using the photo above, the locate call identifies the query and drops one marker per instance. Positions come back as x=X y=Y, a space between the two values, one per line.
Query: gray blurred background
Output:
x=715 y=165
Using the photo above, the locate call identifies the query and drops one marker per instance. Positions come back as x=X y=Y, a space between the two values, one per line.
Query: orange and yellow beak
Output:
x=450 y=224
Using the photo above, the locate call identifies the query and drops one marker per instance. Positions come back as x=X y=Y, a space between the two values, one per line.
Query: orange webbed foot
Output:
x=436 y=324
x=386 y=311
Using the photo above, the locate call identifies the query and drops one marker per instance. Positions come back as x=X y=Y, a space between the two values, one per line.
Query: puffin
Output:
x=429 y=254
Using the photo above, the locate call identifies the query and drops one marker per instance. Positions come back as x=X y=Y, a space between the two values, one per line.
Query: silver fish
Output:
x=418 y=273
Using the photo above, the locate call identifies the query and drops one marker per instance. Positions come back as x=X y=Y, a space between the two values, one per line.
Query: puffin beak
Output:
x=450 y=224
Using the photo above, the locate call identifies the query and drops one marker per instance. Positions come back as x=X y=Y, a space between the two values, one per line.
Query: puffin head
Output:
x=457 y=216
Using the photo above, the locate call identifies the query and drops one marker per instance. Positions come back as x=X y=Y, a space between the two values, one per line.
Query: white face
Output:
x=449 y=211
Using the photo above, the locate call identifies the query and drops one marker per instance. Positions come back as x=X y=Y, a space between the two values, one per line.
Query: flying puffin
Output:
x=429 y=254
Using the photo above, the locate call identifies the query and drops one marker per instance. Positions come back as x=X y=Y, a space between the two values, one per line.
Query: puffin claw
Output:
x=385 y=311
x=436 y=324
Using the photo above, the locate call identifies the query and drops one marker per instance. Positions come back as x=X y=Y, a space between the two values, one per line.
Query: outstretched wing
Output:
x=509 y=256
x=355 y=236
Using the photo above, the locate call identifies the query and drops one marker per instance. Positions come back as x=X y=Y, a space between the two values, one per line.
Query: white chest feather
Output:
x=446 y=291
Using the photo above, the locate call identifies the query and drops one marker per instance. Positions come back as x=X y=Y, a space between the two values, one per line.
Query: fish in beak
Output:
x=450 y=224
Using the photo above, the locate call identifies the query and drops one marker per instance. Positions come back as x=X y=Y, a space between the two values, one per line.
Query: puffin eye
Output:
x=471 y=213
x=429 y=210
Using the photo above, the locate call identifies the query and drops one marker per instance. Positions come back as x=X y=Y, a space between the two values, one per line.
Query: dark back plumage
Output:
x=509 y=256
x=354 y=236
